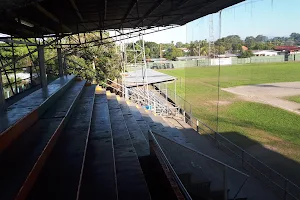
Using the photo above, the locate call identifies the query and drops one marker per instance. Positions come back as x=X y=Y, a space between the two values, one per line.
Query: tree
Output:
x=259 y=46
x=153 y=49
x=192 y=49
x=261 y=38
x=246 y=54
x=103 y=56
x=295 y=37
x=179 y=44
x=173 y=53
x=220 y=49
x=250 y=42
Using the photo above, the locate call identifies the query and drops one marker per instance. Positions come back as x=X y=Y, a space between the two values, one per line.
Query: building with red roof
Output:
x=287 y=48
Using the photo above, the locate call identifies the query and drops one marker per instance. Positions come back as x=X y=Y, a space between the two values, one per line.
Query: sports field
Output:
x=249 y=124
x=294 y=99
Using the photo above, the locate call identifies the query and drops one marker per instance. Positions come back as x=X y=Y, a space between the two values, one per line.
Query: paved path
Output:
x=270 y=93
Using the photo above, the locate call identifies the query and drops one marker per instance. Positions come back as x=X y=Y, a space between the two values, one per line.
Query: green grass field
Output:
x=294 y=98
x=269 y=126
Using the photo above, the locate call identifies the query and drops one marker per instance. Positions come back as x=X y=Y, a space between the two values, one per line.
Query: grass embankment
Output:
x=294 y=99
x=256 y=123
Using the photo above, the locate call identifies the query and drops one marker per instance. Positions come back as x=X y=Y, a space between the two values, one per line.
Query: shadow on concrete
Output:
x=282 y=164
x=274 y=86
x=287 y=167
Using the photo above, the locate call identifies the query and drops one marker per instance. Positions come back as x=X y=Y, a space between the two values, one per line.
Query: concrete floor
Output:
x=270 y=93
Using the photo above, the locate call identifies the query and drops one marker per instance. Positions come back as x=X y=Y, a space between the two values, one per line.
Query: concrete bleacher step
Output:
x=61 y=175
x=159 y=180
x=139 y=119
x=182 y=164
x=99 y=178
x=157 y=124
x=137 y=137
x=24 y=113
x=126 y=159
x=22 y=161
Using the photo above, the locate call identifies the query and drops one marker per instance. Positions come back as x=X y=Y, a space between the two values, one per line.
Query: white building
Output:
x=265 y=53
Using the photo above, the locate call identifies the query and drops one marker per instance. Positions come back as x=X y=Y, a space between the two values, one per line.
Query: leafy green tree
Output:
x=261 y=38
x=193 y=48
x=220 y=50
x=97 y=61
x=154 y=49
x=296 y=38
x=173 y=53
x=179 y=45
x=246 y=54
x=250 y=42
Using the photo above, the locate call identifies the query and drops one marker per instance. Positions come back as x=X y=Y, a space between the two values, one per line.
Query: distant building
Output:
x=185 y=50
x=288 y=49
x=265 y=53
x=156 y=59
x=191 y=58
x=228 y=55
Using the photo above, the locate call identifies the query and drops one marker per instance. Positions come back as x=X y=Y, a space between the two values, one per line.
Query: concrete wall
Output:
x=237 y=61
x=206 y=62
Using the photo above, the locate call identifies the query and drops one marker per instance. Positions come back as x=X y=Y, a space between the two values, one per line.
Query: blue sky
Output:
x=250 y=18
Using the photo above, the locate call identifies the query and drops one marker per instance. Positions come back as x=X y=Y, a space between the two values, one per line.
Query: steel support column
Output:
x=60 y=63
x=175 y=95
x=2 y=98
x=65 y=66
x=42 y=66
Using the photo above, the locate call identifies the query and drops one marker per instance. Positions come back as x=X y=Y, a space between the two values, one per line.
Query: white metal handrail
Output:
x=141 y=101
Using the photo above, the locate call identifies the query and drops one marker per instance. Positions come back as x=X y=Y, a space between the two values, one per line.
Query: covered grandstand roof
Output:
x=140 y=77
x=34 y=18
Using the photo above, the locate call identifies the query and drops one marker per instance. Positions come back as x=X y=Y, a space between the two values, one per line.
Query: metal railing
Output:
x=194 y=159
x=13 y=85
x=166 y=161
x=282 y=186
x=142 y=99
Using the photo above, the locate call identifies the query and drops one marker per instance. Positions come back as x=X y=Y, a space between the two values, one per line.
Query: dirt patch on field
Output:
x=270 y=93
x=222 y=103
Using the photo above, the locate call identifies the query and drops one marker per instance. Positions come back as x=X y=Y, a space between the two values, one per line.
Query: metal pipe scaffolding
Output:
x=2 y=98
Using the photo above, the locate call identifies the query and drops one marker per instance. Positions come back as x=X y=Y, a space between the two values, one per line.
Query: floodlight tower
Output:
x=139 y=55
x=211 y=40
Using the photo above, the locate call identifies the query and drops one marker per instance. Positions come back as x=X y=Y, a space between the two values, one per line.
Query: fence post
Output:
x=31 y=78
x=43 y=77
x=225 y=183
x=60 y=63
x=175 y=92
x=2 y=98
x=167 y=94
x=197 y=126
